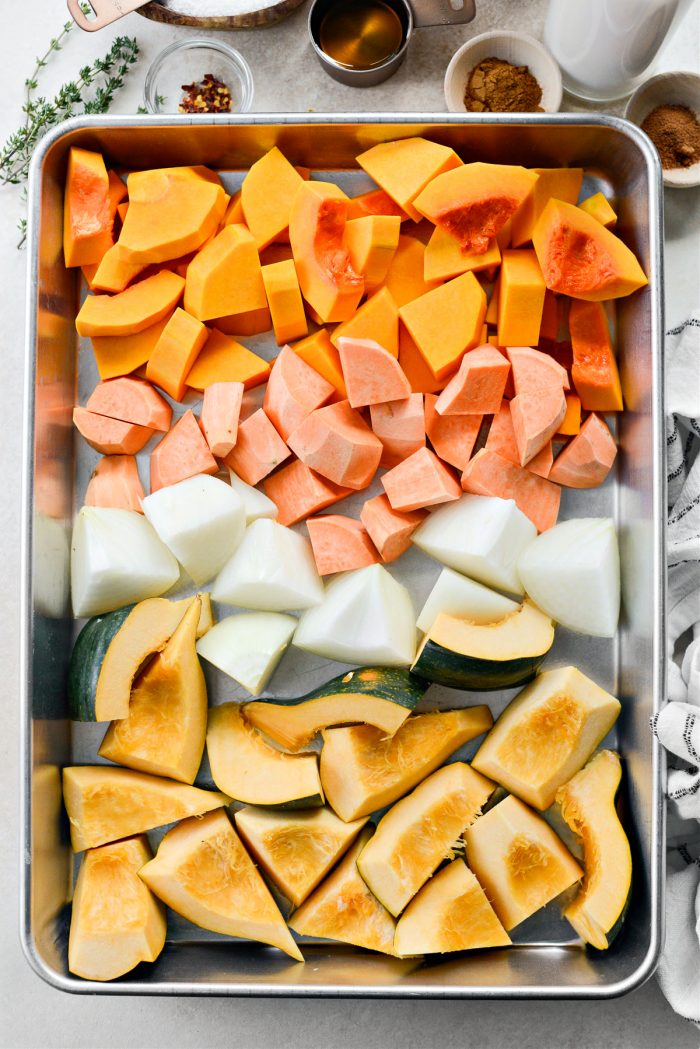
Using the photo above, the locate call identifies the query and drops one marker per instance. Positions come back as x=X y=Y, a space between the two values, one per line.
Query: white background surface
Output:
x=32 y=1014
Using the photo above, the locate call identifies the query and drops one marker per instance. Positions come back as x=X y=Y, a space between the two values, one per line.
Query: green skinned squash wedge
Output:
x=363 y=770
x=587 y=804
x=485 y=657
x=254 y=772
x=112 y=648
x=379 y=696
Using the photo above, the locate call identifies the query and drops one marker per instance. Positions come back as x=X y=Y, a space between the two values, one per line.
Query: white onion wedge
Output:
x=572 y=572
x=366 y=617
x=458 y=596
x=248 y=646
x=255 y=503
x=116 y=559
x=201 y=520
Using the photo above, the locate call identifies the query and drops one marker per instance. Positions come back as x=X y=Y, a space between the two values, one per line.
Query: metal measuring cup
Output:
x=413 y=14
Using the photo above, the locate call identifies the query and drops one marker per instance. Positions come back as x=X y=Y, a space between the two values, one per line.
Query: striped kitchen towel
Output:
x=678 y=723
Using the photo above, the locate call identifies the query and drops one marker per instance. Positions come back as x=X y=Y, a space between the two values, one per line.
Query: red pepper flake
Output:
x=209 y=96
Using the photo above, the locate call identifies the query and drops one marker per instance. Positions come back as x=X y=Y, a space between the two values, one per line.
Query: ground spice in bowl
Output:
x=497 y=86
x=675 y=131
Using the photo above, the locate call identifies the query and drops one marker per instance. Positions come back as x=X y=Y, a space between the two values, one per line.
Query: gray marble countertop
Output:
x=32 y=1014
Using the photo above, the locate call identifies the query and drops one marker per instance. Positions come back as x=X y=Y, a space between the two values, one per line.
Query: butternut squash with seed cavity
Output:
x=87 y=216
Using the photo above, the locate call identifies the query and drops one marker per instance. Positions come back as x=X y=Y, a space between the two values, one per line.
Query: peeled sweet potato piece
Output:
x=258 y=449
x=400 y=426
x=298 y=492
x=221 y=408
x=372 y=376
x=132 y=310
x=87 y=214
x=293 y=391
x=131 y=401
x=390 y=530
x=588 y=458
x=488 y=473
x=452 y=436
x=478 y=386
x=336 y=442
x=539 y=405
x=340 y=544
x=115 y=482
x=110 y=436
x=182 y=453
x=420 y=481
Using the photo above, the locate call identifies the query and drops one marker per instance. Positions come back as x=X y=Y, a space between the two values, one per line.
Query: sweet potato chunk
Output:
x=182 y=453
x=258 y=449
x=221 y=409
x=390 y=530
x=110 y=436
x=131 y=401
x=340 y=544
x=488 y=473
x=293 y=391
x=372 y=376
x=298 y=492
x=588 y=458
x=452 y=436
x=115 y=482
x=420 y=481
x=478 y=386
x=337 y=443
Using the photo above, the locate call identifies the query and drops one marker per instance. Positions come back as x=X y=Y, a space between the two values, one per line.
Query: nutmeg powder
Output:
x=675 y=132
x=497 y=86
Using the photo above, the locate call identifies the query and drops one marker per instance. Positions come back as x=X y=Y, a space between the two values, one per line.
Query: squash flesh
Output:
x=547 y=734
x=116 y=921
x=362 y=770
x=343 y=908
x=419 y=831
x=450 y=913
x=524 y=632
x=204 y=873
x=587 y=804
x=165 y=728
x=252 y=770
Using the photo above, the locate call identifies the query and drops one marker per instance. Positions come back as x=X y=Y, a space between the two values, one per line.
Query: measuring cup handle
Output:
x=104 y=12
x=442 y=12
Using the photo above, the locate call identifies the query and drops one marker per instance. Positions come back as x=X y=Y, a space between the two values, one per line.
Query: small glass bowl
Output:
x=186 y=62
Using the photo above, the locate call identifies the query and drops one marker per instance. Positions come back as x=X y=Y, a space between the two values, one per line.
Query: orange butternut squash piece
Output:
x=594 y=370
x=539 y=405
x=284 y=301
x=445 y=259
x=267 y=194
x=488 y=473
x=419 y=481
x=491 y=317
x=520 y=299
x=419 y=375
x=336 y=442
x=446 y=321
x=403 y=168
x=372 y=242
x=221 y=409
x=320 y=354
x=131 y=310
x=120 y=354
x=175 y=352
x=374 y=202
x=475 y=201
x=122 y=210
x=87 y=214
x=110 y=436
x=252 y=322
x=478 y=386
x=452 y=436
x=182 y=453
x=116 y=191
x=171 y=212
x=376 y=319
x=549 y=325
x=275 y=253
x=131 y=401
x=340 y=544
x=316 y=232
x=390 y=530
x=224 y=360
x=113 y=272
x=588 y=458
x=234 y=211
x=581 y=258
x=293 y=391
x=258 y=449
x=298 y=492
x=404 y=277
x=115 y=482
x=571 y=423
x=225 y=277
x=599 y=208
x=400 y=426
x=562 y=183
x=372 y=376
x=504 y=234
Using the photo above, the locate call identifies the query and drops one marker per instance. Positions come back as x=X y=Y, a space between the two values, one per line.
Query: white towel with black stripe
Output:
x=678 y=724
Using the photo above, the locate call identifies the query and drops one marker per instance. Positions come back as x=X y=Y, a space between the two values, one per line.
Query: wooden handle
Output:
x=105 y=12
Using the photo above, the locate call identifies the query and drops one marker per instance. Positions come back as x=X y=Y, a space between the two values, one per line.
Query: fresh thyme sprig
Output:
x=92 y=91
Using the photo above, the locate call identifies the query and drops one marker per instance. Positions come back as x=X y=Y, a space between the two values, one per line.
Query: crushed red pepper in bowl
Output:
x=208 y=96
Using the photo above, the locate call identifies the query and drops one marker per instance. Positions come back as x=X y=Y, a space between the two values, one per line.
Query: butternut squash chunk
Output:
x=377 y=319
x=225 y=278
x=131 y=310
x=405 y=167
x=446 y=321
x=175 y=352
x=266 y=196
x=87 y=216
x=224 y=360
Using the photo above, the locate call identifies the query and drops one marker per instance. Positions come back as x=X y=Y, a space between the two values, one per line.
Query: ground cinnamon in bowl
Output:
x=675 y=131
x=497 y=86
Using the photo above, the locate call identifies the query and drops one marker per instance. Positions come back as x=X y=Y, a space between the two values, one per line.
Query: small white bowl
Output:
x=517 y=48
x=673 y=89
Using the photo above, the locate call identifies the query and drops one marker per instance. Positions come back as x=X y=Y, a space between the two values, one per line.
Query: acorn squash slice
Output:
x=547 y=734
x=105 y=804
x=450 y=913
x=204 y=873
x=418 y=833
x=296 y=850
x=363 y=770
x=112 y=648
x=379 y=696
x=587 y=804
x=520 y=861
x=116 y=921
x=252 y=771
x=343 y=908
x=485 y=657
x=166 y=726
